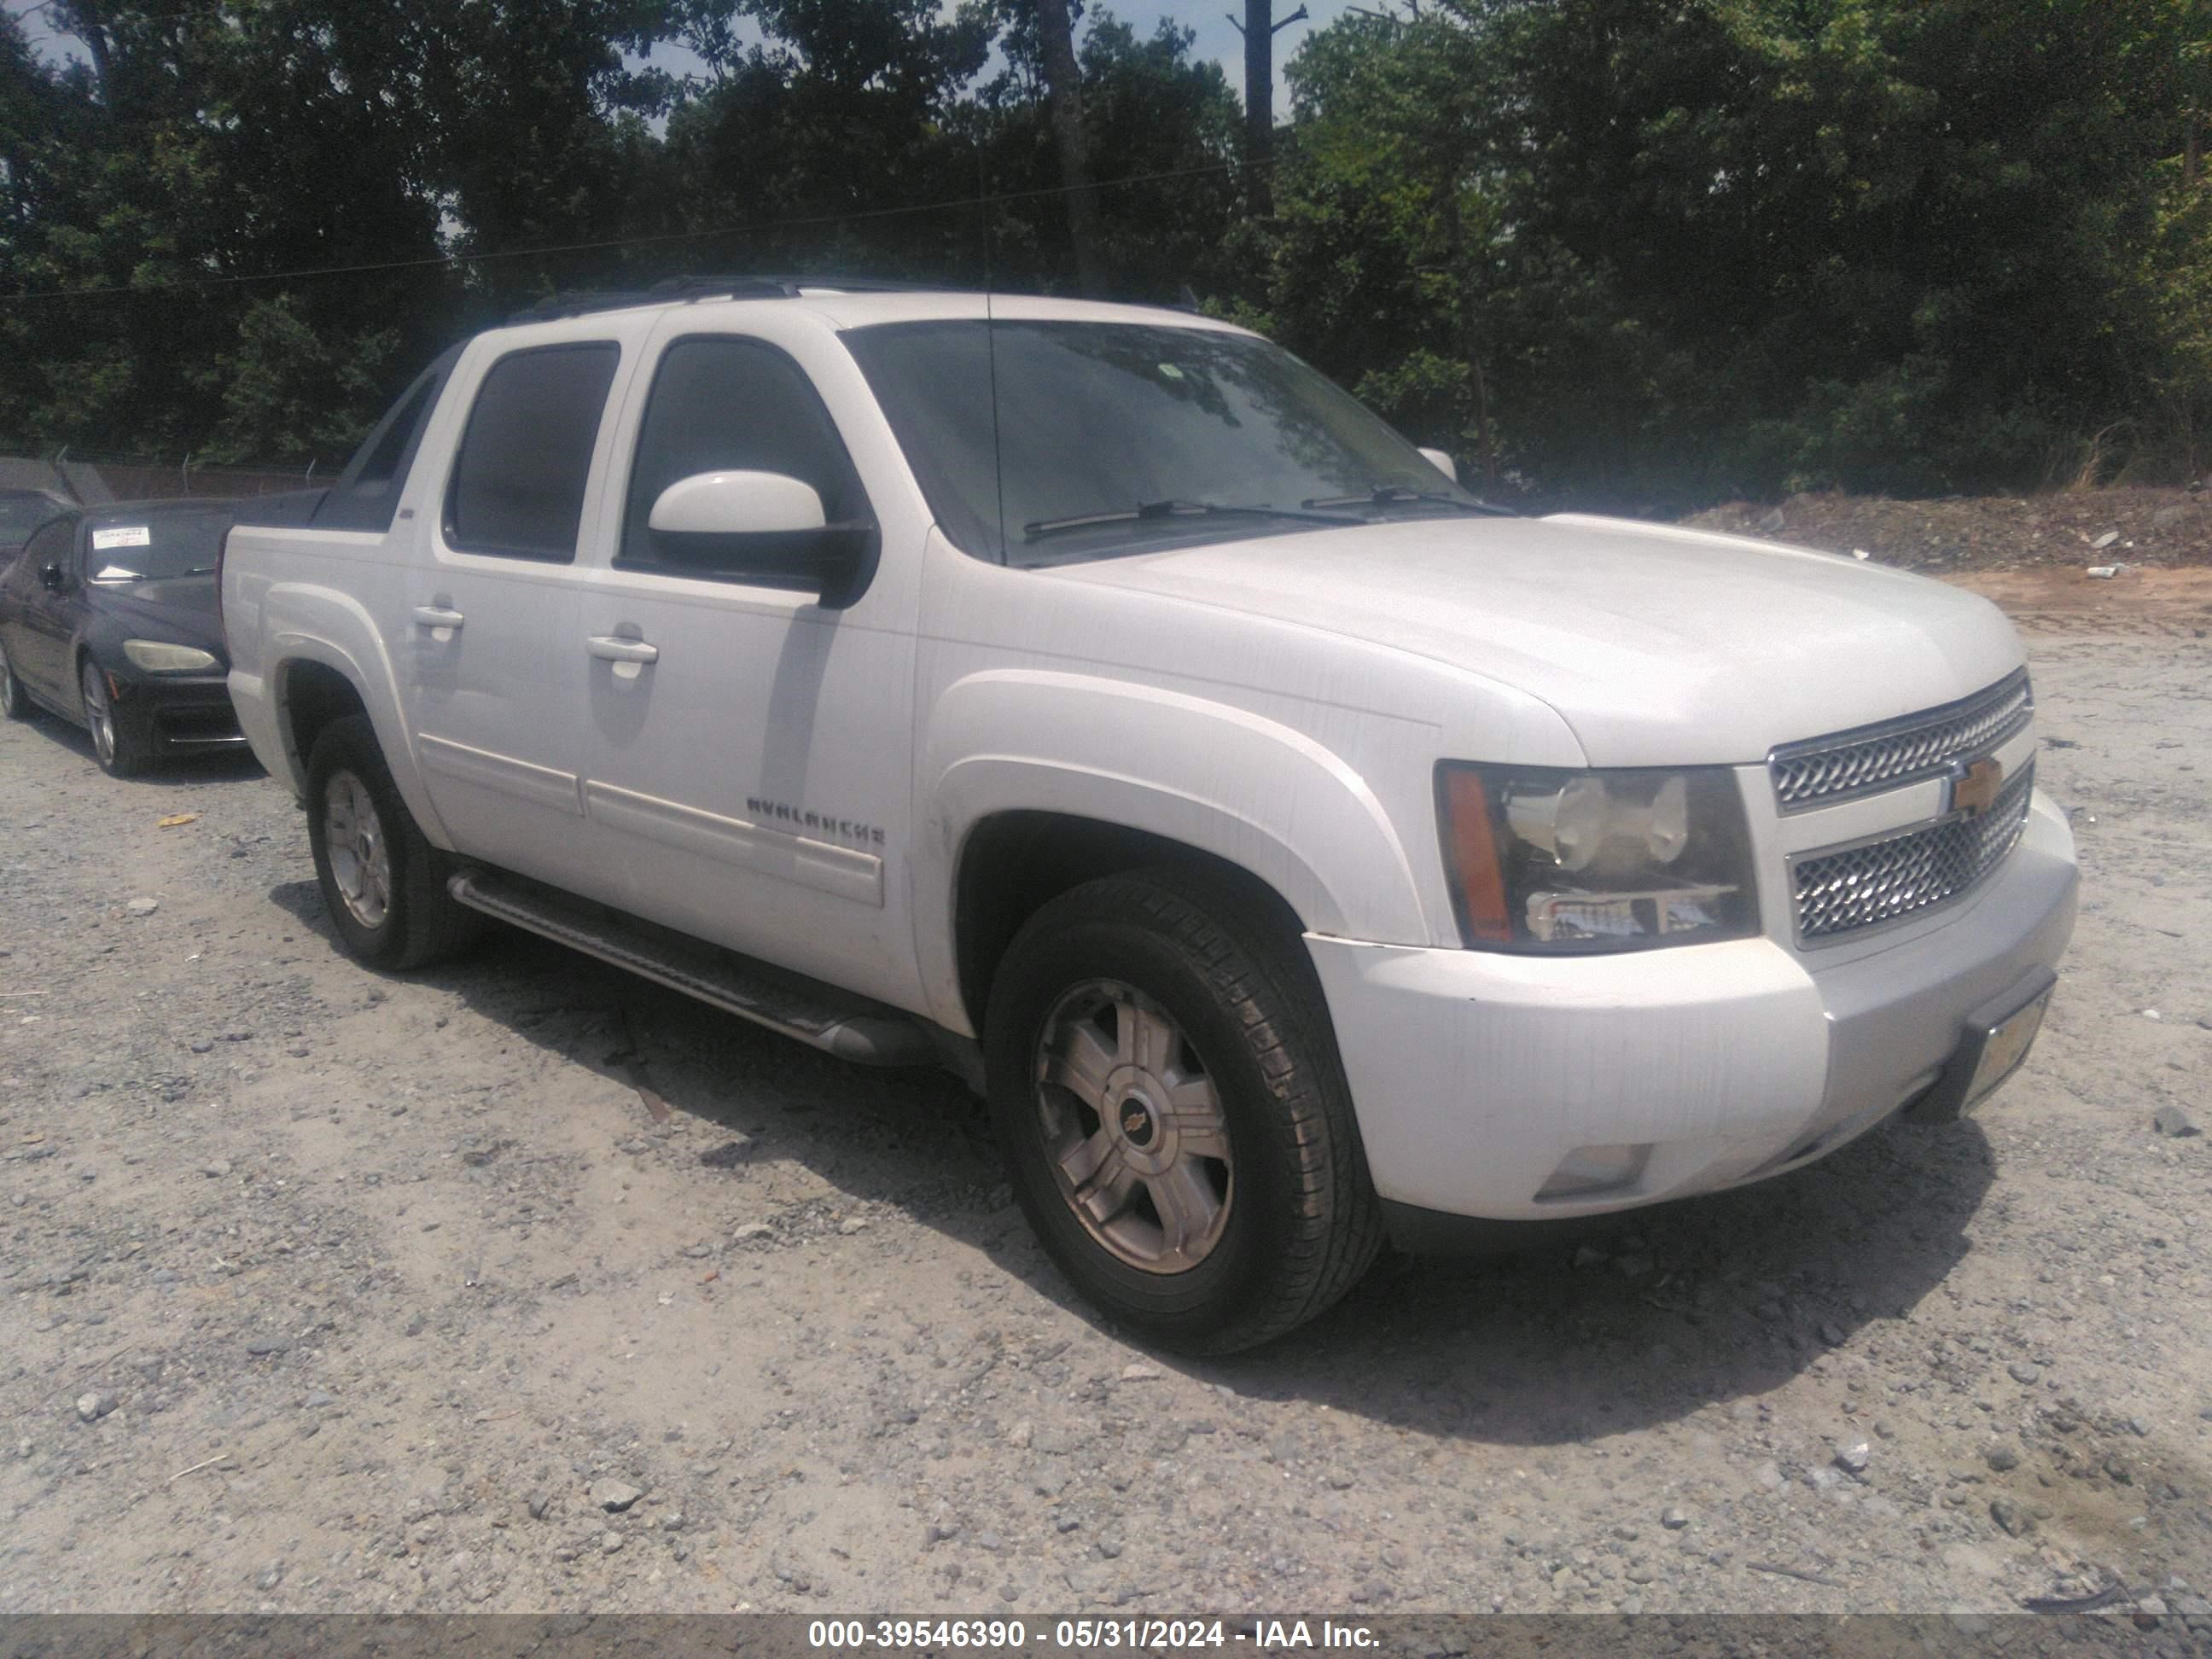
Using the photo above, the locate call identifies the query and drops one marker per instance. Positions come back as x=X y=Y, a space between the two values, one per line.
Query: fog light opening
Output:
x=1588 y=1170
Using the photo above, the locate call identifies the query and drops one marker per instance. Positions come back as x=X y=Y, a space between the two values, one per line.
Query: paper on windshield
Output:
x=125 y=535
x=115 y=573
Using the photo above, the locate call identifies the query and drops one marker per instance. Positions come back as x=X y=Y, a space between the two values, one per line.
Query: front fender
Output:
x=307 y=623
x=1264 y=797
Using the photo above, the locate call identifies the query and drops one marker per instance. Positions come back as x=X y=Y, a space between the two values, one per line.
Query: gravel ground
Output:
x=522 y=1285
x=2135 y=529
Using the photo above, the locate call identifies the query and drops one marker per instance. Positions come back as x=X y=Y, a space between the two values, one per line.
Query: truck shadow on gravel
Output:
x=1646 y=1317
x=1579 y=1333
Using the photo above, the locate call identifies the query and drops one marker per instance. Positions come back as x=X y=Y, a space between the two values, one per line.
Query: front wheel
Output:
x=383 y=883
x=15 y=695
x=120 y=748
x=1174 y=1116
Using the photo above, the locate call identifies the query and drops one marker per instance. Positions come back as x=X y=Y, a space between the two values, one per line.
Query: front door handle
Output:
x=611 y=648
x=431 y=616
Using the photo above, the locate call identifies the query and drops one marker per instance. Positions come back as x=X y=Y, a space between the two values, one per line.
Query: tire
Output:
x=383 y=883
x=1137 y=1024
x=15 y=695
x=120 y=748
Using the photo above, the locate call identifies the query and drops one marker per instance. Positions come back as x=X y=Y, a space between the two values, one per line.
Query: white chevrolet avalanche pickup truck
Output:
x=1297 y=851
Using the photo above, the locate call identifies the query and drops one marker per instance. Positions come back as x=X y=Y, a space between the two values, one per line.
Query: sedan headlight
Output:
x=1547 y=860
x=157 y=658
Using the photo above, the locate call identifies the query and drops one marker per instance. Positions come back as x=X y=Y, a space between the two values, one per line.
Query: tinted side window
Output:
x=52 y=545
x=517 y=488
x=727 y=405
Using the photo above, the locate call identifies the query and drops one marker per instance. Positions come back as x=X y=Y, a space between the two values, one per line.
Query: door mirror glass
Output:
x=737 y=503
x=1443 y=463
x=53 y=578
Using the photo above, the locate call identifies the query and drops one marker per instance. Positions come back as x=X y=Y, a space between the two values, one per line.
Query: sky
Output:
x=1216 y=37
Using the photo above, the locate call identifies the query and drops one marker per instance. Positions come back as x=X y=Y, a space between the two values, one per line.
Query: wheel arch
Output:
x=80 y=653
x=310 y=695
x=1013 y=863
x=314 y=683
x=1131 y=776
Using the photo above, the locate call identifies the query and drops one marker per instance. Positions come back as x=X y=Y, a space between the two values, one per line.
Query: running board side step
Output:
x=852 y=1028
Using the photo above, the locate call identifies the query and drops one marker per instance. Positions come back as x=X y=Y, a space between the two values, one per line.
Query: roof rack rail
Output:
x=578 y=301
x=792 y=283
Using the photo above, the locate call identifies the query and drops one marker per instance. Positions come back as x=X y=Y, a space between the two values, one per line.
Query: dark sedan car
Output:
x=108 y=617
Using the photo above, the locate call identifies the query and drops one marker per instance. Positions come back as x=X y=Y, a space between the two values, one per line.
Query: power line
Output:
x=449 y=260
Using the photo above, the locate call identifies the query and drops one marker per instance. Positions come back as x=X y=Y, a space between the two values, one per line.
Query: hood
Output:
x=1658 y=646
x=182 y=610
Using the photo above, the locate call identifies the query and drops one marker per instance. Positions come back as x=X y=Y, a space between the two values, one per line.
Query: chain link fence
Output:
x=95 y=477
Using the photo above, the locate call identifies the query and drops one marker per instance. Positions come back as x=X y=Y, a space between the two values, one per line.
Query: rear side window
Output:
x=517 y=488
x=367 y=493
x=723 y=404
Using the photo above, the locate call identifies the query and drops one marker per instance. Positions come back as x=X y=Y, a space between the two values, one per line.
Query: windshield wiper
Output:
x=1039 y=528
x=1386 y=494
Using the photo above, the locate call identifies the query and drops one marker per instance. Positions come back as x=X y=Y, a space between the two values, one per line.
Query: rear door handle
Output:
x=431 y=616
x=611 y=648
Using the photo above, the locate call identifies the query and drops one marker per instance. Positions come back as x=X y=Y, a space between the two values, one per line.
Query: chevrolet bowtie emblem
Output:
x=1974 y=788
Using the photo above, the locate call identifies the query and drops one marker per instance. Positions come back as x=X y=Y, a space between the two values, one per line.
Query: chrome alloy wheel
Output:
x=353 y=838
x=1134 y=1127
x=99 y=713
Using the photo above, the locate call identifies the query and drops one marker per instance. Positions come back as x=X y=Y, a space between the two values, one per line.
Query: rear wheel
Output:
x=15 y=696
x=383 y=883
x=1174 y=1116
x=119 y=747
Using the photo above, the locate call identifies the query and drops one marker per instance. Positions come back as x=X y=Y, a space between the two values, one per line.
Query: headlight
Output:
x=156 y=658
x=1547 y=860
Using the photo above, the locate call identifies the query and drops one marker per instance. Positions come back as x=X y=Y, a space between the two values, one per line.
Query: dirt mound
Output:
x=2073 y=530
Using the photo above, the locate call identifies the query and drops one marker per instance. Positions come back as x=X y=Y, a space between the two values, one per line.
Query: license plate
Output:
x=2004 y=1047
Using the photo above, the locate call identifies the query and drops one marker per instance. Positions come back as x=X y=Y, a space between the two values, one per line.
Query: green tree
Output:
x=1391 y=260
x=837 y=118
x=1881 y=244
x=1737 y=247
x=1162 y=136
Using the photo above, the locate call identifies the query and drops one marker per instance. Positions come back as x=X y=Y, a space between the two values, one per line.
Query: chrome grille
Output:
x=1844 y=888
x=1824 y=770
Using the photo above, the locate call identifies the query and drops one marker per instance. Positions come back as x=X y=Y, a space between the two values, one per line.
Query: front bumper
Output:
x=177 y=712
x=1473 y=1075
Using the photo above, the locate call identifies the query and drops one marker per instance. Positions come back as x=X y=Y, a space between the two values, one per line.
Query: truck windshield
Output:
x=1111 y=438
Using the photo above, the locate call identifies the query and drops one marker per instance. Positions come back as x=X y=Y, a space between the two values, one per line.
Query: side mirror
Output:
x=1443 y=463
x=737 y=504
x=53 y=578
x=769 y=518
